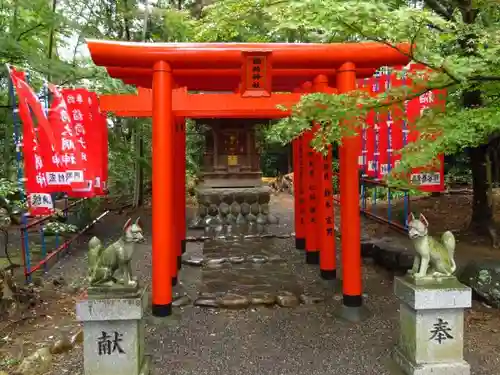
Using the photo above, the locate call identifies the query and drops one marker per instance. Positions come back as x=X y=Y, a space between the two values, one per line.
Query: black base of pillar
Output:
x=352 y=301
x=179 y=262
x=312 y=257
x=162 y=311
x=300 y=243
x=175 y=281
x=183 y=246
x=328 y=274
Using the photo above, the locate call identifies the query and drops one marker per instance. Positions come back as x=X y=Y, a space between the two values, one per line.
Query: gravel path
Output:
x=309 y=339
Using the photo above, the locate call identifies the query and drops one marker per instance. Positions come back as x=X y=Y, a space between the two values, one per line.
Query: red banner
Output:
x=387 y=132
x=429 y=179
x=36 y=149
x=67 y=167
x=64 y=152
x=98 y=134
x=105 y=152
x=77 y=104
x=91 y=133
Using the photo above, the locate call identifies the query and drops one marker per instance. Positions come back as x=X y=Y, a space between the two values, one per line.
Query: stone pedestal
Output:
x=431 y=326
x=113 y=330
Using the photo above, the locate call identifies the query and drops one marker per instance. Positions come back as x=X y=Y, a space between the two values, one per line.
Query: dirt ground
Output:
x=29 y=328
x=47 y=313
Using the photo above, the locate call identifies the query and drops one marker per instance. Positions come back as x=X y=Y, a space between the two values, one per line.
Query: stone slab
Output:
x=220 y=181
x=484 y=278
x=146 y=366
x=115 y=291
x=431 y=336
x=112 y=308
x=392 y=254
x=114 y=347
x=202 y=190
x=409 y=368
x=449 y=294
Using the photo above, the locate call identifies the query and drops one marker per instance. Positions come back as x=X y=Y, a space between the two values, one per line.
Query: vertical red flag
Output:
x=66 y=166
x=396 y=126
x=427 y=178
x=371 y=161
x=381 y=131
x=97 y=140
x=105 y=151
x=77 y=101
x=36 y=156
x=387 y=132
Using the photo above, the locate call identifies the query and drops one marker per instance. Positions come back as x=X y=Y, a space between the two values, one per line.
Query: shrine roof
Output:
x=218 y=66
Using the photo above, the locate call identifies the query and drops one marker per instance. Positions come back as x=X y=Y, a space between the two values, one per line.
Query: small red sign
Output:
x=256 y=79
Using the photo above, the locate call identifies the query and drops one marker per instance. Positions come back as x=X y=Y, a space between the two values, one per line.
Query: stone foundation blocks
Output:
x=233 y=206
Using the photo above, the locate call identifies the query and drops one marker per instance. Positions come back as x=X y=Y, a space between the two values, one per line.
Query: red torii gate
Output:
x=248 y=81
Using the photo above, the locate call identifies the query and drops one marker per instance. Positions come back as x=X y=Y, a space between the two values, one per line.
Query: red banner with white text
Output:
x=37 y=151
x=388 y=131
x=67 y=150
x=91 y=132
x=99 y=134
x=66 y=161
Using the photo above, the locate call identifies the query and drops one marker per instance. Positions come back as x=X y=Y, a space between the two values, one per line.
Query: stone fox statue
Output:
x=103 y=263
x=434 y=258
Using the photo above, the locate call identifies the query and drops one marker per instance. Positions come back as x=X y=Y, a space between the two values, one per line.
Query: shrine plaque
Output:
x=232 y=160
x=256 y=79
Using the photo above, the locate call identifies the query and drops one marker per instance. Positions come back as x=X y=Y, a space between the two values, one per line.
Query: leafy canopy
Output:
x=458 y=40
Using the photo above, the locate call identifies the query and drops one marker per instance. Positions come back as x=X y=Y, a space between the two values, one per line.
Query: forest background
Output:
x=457 y=39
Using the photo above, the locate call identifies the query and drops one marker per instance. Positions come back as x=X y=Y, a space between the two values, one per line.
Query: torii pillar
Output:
x=164 y=244
x=349 y=209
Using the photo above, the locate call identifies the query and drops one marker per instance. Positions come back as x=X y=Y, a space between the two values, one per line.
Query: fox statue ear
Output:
x=138 y=222
x=411 y=217
x=423 y=220
x=127 y=224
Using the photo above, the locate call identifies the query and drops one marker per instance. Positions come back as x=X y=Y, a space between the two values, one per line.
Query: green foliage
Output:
x=236 y=21
x=12 y=198
x=30 y=25
x=54 y=227
x=457 y=176
x=457 y=170
x=464 y=57
x=175 y=25
x=461 y=48
x=195 y=147
x=8 y=188
x=274 y=158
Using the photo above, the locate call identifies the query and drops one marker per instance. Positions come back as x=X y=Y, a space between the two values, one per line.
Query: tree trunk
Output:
x=482 y=221
x=482 y=213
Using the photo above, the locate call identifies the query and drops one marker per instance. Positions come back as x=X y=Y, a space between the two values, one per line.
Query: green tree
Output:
x=47 y=38
x=458 y=40
x=29 y=40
